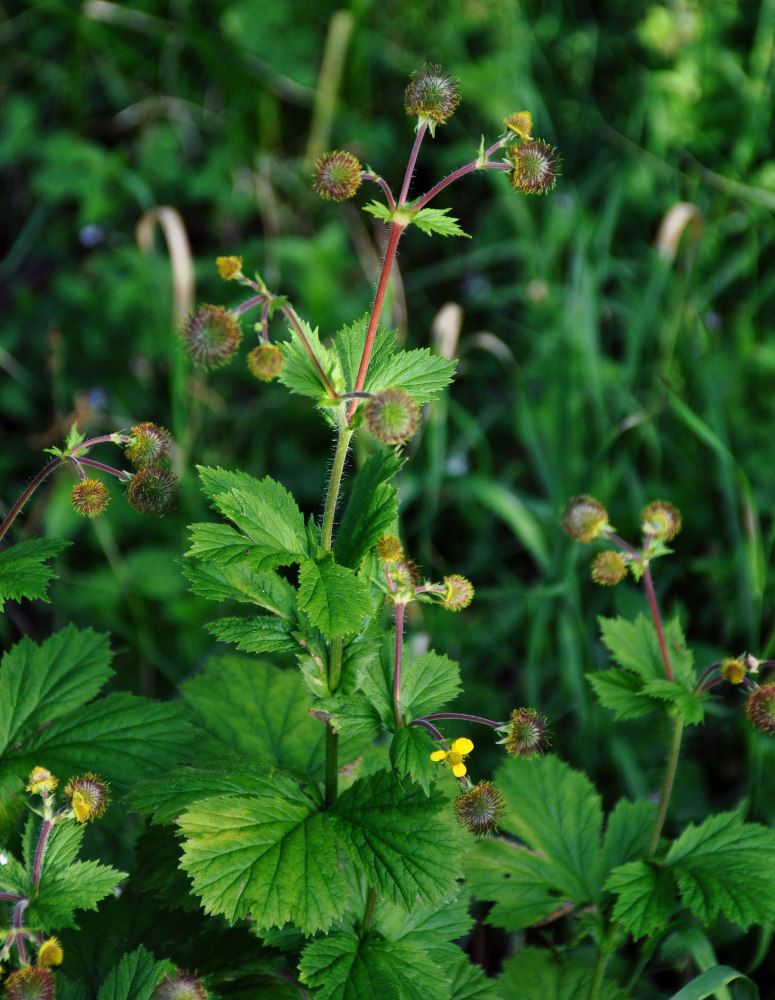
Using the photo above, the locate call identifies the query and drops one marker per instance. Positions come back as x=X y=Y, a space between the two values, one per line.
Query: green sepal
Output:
x=23 y=569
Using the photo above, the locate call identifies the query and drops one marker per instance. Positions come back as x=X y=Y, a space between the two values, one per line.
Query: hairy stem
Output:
x=412 y=160
x=648 y=583
x=400 y=609
x=45 y=830
x=667 y=786
x=463 y=716
x=10 y=517
x=334 y=483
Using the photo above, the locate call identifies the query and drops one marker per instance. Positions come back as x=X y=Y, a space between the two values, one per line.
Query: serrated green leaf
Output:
x=223 y=545
x=23 y=570
x=436 y=220
x=379 y=210
x=410 y=755
x=537 y=974
x=429 y=682
x=39 y=683
x=135 y=977
x=351 y=715
x=716 y=864
x=344 y=967
x=633 y=645
x=407 y=845
x=333 y=598
x=62 y=846
x=422 y=374
x=241 y=583
x=468 y=981
x=371 y=509
x=263 y=634
x=556 y=812
x=627 y=832
x=519 y=881
x=349 y=343
x=273 y=856
x=62 y=891
x=357 y=654
x=647 y=896
x=709 y=983
x=377 y=681
x=300 y=374
x=14 y=877
x=621 y=692
x=433 y=928
x=121 y=737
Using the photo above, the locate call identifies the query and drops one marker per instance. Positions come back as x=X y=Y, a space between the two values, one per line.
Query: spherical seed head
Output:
x=405 y=574
x=733 y=671
x=210 y=336
x=31 y=982
x=584 y=519
x=265 y=361
x=536 y=166
x=337 y=175
x=88 y=796
x=229 y=267
x=432 y=95
x=41 y=781
x=50 y=952
x=392 y=416
x=760 y=708
x=480 y=808
x=660 y=520
x=528 y=733
x=148 y=445
x=153 y=490
x=389 y=548
x=520 y=123
x=458 y=592
x=181 y=986
x=89 y=497
x=608 y=568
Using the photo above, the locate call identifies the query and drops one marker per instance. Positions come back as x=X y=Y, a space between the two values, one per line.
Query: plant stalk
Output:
x=667 y=786
x=400 y=609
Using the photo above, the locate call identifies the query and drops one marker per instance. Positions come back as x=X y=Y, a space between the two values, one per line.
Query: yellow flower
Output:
x=41 y=781
x=50 y=952
x=229 y=267
x=454 y=756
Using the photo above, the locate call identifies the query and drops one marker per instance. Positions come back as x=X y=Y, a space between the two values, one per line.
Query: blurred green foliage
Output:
x=598 y=350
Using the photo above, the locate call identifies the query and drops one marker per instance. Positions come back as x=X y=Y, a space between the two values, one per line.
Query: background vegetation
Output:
x=614 y=338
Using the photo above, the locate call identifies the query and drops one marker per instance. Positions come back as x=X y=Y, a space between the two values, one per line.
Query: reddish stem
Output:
x=649 y=585
x=42 y=838
x=400 y=608
x=410 y=165
x=456 y=175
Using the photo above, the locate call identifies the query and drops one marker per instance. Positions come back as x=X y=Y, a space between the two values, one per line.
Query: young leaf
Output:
x=429 y=682
x=621 y=692
x=371 y=509
x=634 y=646
x=333 y=598
x=263 y=634
x=378 y=209
x=42 y=682
x=407 y=845
x=410 y=755
x=23 y=570
x=436 y=220
x=135 y=977
x=272 y=855
x=299 y=372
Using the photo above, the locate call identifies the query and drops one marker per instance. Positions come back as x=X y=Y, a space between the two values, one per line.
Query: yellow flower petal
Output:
x=438 y=755
x=459 y=770
x=463 y=745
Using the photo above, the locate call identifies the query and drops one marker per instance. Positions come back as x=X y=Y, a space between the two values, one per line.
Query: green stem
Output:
x=667 y=786
x=334 y=482
x=332 y=766
x=597 y=977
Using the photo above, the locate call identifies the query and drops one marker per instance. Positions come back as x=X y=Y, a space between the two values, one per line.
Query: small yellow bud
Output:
x=50 y=952
x=733 y=671
x=41 y=781
x=229 y=267
x=520 y=123
x=389 y=548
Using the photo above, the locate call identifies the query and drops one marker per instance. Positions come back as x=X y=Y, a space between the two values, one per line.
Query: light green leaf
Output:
x=379 y=210
x=539 y=974
x=627 y=832
x=263 y=634
x=299 y=372
x=23 y=570
x=349 y=344
x=333 y=598
x=408 y=845
x=371 y=509
x=273 y=856
x=352 y=715
x=410 y=755
x=647 y=896
x=39 y=683
x=61 y=891
x=436 y=220
x=634 y=646
x=429 y=682
x=688 y=702
x=241 y=583
x=135 y=977
x=621 y=692
x=422 y=374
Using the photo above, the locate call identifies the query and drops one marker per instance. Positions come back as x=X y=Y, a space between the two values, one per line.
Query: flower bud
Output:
x=431 y=96
x=660 y=520
x=229 y=267
x=148 y=445
x=760 y=708
x=337 y=175
x=527 y=734
x=535 y=167
x=265 y=361
x=458 y=592
x=153 y=490
x=31 y=982
x=585 y=519
x=733 y=671
x=181 y=986
x=210 y=336
x=392 y=416
x=89 y=497
x=88 y=796
x=480 y=808
x=608 y=568
x=41 y=781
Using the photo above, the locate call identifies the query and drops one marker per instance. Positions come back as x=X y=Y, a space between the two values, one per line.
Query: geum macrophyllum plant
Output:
x=321 y=805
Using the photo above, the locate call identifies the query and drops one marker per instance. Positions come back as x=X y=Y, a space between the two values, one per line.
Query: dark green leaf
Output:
x=627 y=832
x=410 y=755
x=135 y=977
x=349 y=344
x=23 y=570
x=351 y=715
x=333 y=598
x=371 y=510
x=63 y=890
x=621 y=692
x=647 y=896
x=239 y=582
x=540 y=974
x=261 y=634
x=429 y=682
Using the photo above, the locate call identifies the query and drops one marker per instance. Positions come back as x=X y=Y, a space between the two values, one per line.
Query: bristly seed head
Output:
x=526 y=735
x=181 y=986
x=520 y=123
x=389 y=548
x=153 y=490
x=148 y=445
x=89 y=497
x=210 y=336
x=660 y=520
x=585 y=519
x=608 y=568
x=431 y=96
x=89 y=796
x=535 y=167
x=480 y=808
x=458 y=592
x=31 y=982
x=41 y=781
x=733 y=671
x=337 y=175
x=265 y=361
x=760 y=708
x=392 y=416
